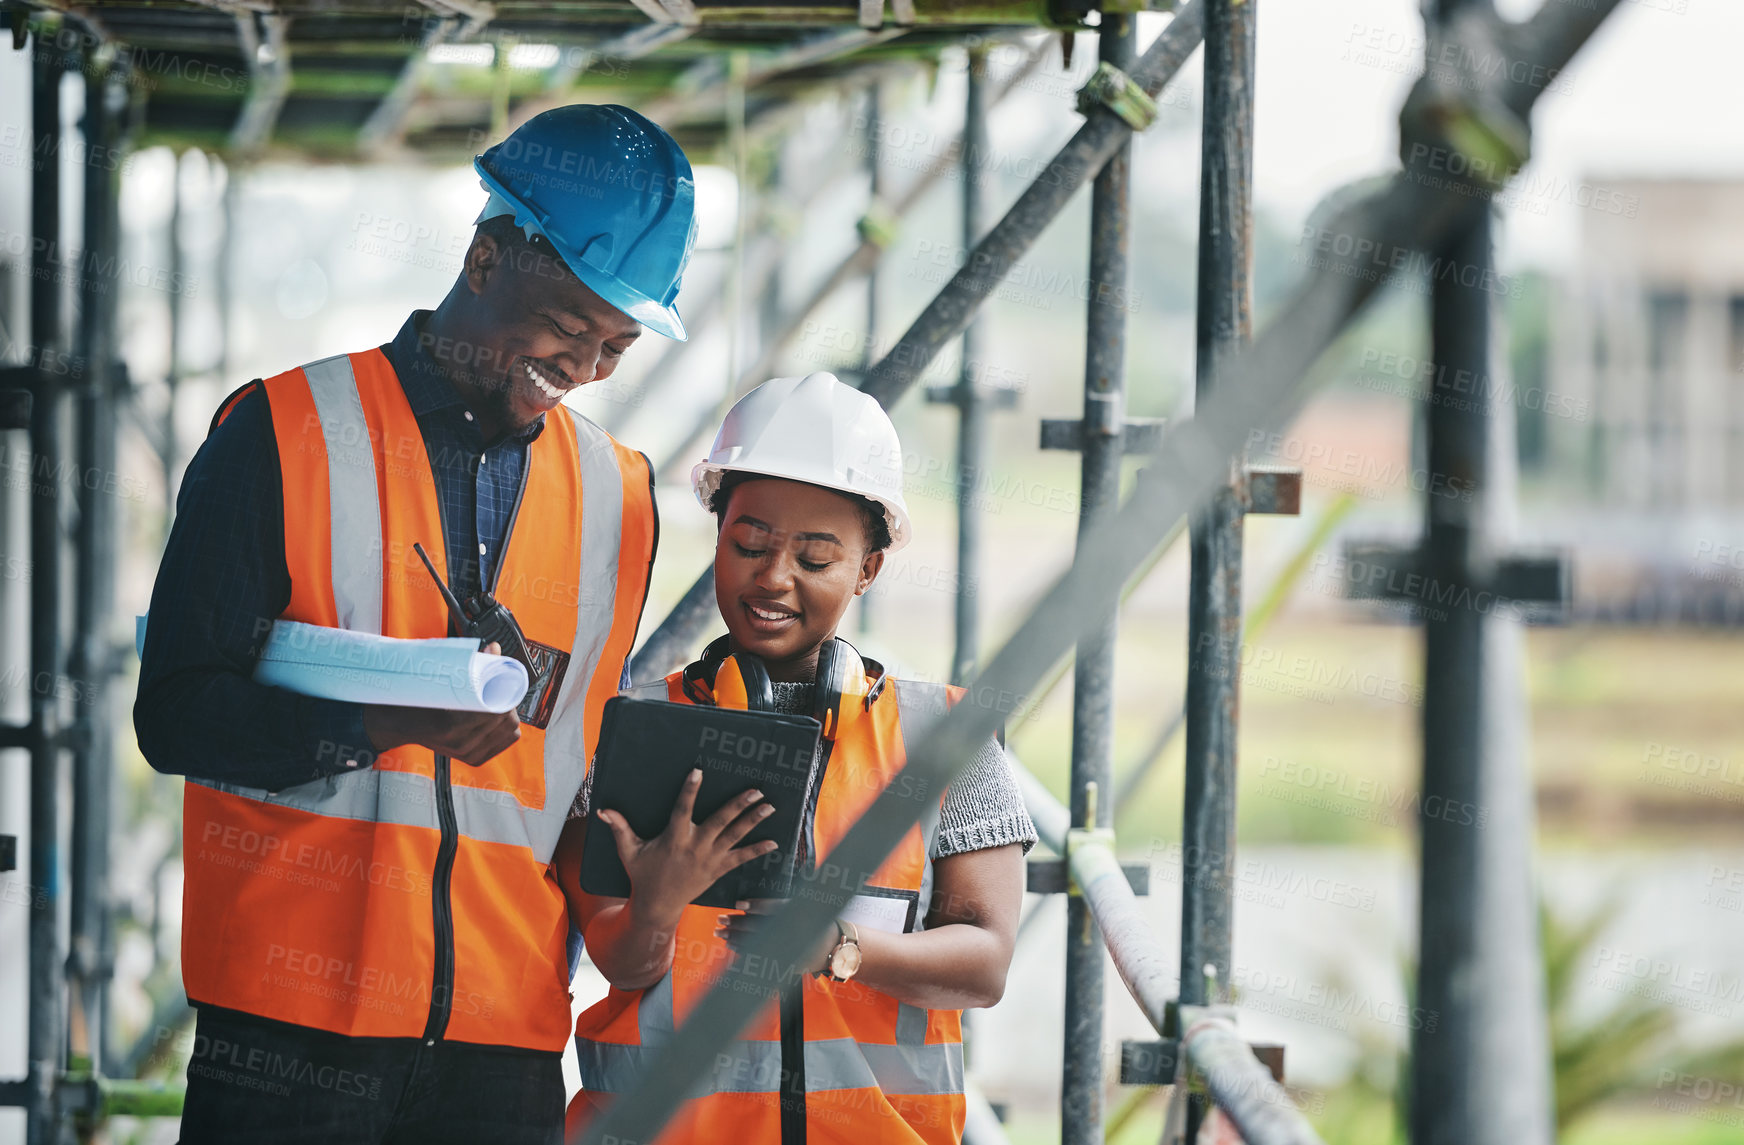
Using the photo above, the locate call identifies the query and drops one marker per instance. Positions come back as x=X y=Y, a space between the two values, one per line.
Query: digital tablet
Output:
x=648 y=747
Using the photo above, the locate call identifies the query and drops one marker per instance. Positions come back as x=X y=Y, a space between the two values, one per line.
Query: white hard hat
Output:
x=816 y=429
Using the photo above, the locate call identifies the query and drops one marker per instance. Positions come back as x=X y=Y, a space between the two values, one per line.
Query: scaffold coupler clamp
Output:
x=1196 y=1022
x=1112 y=88
x=1456 y=124
x=1193 y=1018
x=878 y=225
x=1102 y=861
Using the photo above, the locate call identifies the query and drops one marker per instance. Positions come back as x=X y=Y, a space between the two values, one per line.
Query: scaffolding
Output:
x=1481 y=1080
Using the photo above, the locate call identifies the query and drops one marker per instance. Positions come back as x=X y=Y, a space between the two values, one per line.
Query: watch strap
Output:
x=846 y=934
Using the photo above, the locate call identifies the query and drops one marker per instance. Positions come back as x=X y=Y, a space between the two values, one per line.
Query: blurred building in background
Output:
x=1647 y=334
x=1650 y=332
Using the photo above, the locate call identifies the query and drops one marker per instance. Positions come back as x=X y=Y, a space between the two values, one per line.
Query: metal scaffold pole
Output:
x=1101 y=440
x=874 y=205
x=1480 y=1071
x=971 y=407
x=91 y=956
x=875 y=198
x=1225 y=325
x=47 y=997
x=1460 y=1075
x=173 y=374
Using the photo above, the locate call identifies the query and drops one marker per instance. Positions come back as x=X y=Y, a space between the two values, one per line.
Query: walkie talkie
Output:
x=481 y=616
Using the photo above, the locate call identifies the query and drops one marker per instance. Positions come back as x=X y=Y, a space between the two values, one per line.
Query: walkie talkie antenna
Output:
x=441 y=585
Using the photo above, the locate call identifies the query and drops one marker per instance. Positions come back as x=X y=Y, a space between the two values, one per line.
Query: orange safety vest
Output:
x=416 y=898
x=875 y=1069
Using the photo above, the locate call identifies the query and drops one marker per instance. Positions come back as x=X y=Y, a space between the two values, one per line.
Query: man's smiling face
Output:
x=536 y=332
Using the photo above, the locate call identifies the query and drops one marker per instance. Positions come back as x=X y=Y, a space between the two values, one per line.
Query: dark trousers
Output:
x=273 y=1084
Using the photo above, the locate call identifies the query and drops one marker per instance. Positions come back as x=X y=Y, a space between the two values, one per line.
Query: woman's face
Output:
x=789 y=558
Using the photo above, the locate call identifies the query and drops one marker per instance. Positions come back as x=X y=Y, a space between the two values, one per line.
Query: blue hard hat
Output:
x=614 y=196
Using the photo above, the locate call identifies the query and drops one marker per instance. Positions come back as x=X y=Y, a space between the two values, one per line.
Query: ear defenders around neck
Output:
x=743 y=682
x=841 y=685
x=729 y=680
x=740 y=680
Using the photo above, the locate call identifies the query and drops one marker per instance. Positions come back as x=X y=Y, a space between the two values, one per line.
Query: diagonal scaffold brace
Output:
x=1260 y=389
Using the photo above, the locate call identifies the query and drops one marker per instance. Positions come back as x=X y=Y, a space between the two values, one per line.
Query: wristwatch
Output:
x=844 y=959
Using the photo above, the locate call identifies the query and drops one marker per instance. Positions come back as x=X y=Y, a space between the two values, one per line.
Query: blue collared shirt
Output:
x=223 y=581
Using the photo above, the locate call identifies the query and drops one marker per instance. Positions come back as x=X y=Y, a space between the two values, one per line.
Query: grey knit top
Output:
x=982 y=808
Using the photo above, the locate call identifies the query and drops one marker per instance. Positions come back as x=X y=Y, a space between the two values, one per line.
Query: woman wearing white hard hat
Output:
x=805 y=481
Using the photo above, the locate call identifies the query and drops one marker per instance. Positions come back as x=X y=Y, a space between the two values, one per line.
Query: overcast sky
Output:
x=1658 y=92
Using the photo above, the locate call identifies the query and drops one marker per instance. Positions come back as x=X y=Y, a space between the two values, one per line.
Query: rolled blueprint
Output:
x=337 y=664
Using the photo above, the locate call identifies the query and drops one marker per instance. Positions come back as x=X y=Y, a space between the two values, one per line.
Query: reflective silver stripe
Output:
x=354 y=513
x=491 y=815
x=911 y=1065
x=400 y=797
x=652 y=690
x=755 y=1067
x=353 y=499
x=481 y=813
x=609 y=1067
x=911 y=1025
x=654 y=1013
x=744 y=1067
x=832 y=1063
x=918 y=705
x=919 y=1070
x=602 y=519
x=926 y=893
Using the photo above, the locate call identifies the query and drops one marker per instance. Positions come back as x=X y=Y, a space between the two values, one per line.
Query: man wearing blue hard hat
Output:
x=372 y=935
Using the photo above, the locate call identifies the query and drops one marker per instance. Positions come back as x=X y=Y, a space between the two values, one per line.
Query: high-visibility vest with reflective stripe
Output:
x=331 y=904
x=875 y=1069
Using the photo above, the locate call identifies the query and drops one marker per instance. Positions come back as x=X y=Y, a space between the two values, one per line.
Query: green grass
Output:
x=1632 y=1126
x=1330 y=724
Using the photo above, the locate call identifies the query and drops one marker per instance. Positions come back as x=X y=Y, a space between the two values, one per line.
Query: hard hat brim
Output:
x=705 y=478
x=631 y=303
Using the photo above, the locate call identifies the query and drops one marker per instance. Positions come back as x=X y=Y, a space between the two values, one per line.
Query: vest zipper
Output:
x=792 y=1011
x=792 y=1084
x=806 y=860
x=442 y=879
x=442 y=907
